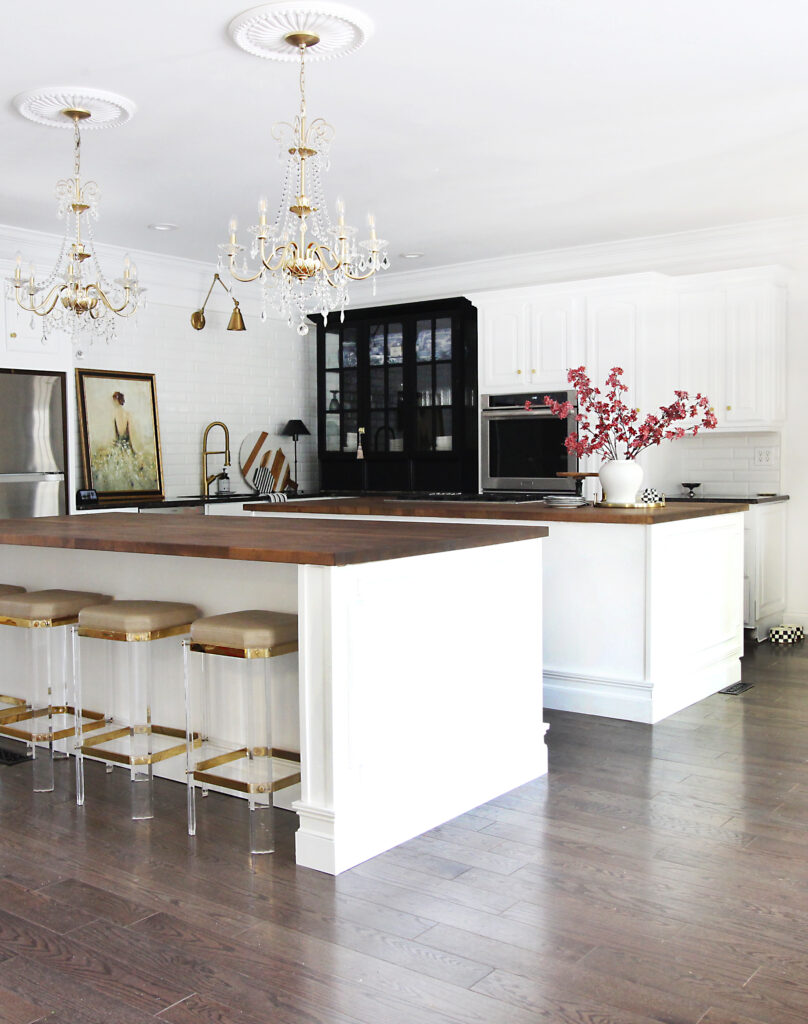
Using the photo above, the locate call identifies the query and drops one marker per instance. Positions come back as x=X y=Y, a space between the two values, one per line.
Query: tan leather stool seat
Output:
x=9 y=588
x=47 y=606
x=252 y=630
x=137 y=620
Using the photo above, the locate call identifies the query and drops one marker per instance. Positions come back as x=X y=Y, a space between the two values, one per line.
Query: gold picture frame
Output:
x=120 y=435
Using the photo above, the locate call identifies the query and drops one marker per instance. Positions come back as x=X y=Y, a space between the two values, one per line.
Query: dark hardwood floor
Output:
x=658 y=874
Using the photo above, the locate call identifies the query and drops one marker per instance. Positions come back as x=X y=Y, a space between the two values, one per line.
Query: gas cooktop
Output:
x=485 y=496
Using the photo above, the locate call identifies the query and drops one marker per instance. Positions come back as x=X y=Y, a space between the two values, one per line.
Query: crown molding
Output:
x=781 y=241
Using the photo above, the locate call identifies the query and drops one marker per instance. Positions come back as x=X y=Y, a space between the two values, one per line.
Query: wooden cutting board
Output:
x=258 y=450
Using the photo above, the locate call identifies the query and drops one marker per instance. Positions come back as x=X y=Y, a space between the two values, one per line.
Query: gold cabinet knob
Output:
x=729 y=408
x=518 y=371
x=532 y=371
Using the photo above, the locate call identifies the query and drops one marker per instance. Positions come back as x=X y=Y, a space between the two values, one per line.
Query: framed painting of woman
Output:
x=120 y=434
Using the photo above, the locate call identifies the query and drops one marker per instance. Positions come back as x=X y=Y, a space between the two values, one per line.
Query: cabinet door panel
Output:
x=771 y=545
x=612 y=328
x=554 y=347
x=702 y=334
x=746 y=377
x=755 y=355
x=504 y=339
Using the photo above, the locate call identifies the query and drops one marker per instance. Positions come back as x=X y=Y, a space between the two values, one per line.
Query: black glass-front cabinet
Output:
x=399 y=383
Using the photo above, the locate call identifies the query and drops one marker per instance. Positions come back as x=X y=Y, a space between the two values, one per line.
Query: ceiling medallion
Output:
x=306 y=259
x=76 y=296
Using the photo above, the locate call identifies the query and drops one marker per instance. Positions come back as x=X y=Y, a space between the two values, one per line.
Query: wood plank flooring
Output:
x=657 y=875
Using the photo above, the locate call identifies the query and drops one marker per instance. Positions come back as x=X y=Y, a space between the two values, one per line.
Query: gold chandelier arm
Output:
x=328 y=258
x=237 y=277
x=280 y=254
x=113 y=309
x=44 y=307
x=359 y=277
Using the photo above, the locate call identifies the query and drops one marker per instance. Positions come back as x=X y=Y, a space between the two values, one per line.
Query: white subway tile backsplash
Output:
x=256 y=382
x=723 y=463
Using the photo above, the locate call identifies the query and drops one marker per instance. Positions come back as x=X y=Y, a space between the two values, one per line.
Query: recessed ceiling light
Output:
x=410 y=255
x=163 y=227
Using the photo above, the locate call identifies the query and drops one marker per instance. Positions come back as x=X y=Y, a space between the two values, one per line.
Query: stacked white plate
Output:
x=565 y=501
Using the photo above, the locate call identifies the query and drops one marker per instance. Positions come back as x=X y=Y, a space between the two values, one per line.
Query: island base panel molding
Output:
x=420 y=698
x=657 y=615
x=634 y=701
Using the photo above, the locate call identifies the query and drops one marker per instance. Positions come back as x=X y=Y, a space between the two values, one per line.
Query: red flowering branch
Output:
x=606 y=425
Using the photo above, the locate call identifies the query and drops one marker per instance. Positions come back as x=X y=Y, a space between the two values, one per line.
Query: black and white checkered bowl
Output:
x=786 y=634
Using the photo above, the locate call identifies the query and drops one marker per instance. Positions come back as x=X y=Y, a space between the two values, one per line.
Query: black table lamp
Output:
x=295 y=429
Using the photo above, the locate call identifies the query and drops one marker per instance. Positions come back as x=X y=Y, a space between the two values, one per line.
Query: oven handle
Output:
x=508 y=414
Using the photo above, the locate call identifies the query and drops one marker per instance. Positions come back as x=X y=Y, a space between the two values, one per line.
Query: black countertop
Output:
x=185 y=501
x=757 y=499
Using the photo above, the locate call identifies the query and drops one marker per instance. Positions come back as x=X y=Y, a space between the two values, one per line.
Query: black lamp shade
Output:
x=295 y=428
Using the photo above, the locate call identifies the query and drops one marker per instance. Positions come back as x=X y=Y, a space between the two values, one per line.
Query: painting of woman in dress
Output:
x=120 y=439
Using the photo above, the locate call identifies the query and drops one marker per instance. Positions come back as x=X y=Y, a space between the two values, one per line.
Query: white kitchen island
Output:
x=420 y=691
x=642 y=608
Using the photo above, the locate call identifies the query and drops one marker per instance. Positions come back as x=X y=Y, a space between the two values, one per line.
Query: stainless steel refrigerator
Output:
x=33 y=447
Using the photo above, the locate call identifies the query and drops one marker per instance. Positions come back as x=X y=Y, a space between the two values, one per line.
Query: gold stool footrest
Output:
x=94 y=747
x=238 y=779
x=14 y=706
x=91 y=720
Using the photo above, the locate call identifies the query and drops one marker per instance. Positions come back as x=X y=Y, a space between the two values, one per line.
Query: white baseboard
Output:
x=795 y=618
x=636 y=700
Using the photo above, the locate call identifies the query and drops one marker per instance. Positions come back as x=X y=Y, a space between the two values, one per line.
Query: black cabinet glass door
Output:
x=400 y=382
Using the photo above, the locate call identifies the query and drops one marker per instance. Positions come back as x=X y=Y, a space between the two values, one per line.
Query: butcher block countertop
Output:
x=254 y=539
x=516 y=510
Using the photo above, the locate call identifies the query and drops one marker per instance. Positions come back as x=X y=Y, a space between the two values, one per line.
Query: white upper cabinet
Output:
x=732 y=345
x=503 y=328
x=721 y=334
x=528 y=340
x=555 y=341
x=612 y=328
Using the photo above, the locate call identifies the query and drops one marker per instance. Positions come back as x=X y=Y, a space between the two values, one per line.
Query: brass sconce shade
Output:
x=236 y=322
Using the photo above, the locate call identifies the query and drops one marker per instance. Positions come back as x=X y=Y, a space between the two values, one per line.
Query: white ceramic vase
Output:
x=620 y=480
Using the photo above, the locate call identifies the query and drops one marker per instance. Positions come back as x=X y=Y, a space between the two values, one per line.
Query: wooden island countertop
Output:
x=296 y=541
x=522 y=511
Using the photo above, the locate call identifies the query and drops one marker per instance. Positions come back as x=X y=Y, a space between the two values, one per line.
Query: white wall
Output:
x=255 y=380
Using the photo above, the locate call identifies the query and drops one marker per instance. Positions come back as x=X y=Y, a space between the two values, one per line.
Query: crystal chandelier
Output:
x=306 y=259
x=76 y=296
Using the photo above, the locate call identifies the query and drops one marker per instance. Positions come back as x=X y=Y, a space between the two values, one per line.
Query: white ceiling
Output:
x=471 y=129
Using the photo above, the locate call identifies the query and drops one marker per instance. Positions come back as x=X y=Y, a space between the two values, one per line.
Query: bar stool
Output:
x=48 y=713
x=10 y=705
x=140 y=744
x=252 y=765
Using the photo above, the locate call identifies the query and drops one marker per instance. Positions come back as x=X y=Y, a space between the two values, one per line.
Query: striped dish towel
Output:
x=275 y=496
x=263 y=480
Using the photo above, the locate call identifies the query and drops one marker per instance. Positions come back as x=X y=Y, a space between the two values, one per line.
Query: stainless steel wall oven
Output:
x=523 y=449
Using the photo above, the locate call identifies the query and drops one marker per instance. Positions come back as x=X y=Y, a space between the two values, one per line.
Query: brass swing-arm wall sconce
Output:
x=236 y=322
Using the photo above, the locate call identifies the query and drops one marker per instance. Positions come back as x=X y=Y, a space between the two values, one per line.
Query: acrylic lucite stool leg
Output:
x=190 y=758
x=259 y=753
x=40 y=659
x=78 y=704
x=196 y=706
x=140 y=729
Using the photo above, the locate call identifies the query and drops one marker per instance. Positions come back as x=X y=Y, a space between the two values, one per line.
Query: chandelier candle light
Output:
x=76 y=296
x=610 y=428
x=306 y=259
